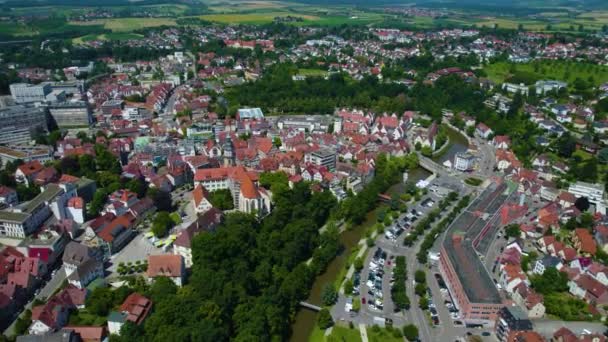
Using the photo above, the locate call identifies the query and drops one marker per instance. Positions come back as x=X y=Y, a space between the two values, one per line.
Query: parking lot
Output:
x=374 y=283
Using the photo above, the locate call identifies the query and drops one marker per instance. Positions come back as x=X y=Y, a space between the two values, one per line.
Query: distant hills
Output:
x=34 y=3
x=496 y=4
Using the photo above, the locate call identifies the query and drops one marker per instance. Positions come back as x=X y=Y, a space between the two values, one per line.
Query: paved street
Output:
x=138 y=249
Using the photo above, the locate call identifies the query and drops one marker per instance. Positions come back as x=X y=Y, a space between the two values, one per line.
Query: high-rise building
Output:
x=19 y=123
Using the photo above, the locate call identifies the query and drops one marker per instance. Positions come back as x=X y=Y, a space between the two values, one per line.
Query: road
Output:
x=53 y=284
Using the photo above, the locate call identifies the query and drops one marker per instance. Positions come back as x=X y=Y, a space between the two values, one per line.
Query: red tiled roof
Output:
x=76 y=202
x=137 y=307
x=167 y=265
x=88 y=333
x=30 y=168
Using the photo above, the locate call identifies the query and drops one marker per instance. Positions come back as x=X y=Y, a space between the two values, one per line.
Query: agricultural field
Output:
x=254 y=18
x=127 y=24
x=325 y=18
x=554 y=70
x=245 y=6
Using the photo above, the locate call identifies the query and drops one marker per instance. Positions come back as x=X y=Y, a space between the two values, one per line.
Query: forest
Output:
x=249 y=275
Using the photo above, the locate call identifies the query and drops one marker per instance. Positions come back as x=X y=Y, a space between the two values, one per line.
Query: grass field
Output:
x=127 y=24
x=338 y=333
x=555 y=70
x=117 y=36
x=382 y=335
x=254 y=18
x=312 y=72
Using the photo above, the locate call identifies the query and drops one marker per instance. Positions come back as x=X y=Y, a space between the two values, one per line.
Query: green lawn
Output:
x=117 y=36
x=312 y=72
x=555 y=70
x=338 y=333
x=381 y=335
x=83 y=317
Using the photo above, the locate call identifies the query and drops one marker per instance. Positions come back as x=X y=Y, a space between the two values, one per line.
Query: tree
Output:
x=348 y=286
x=358 y=264
x=162 y=200
x=420 y=276
x=100 y=301
x=427 y=151
x=566 y=145
x=512 y=231
x=222 y=199
x=582 y=204
x=410 y=332
x=550 y=281
x=423 y=303
x=162 y=288
x=324 y=319
x=162 y=224
x=602 y=156
x=329 y=295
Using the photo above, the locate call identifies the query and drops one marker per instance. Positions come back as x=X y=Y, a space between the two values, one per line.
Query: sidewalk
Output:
x=363 y=332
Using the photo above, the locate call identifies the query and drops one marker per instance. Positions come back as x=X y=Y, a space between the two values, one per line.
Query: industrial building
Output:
x=468 y=281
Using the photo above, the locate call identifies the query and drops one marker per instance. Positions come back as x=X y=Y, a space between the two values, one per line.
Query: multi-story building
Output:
x=111 y=105
x=467 y=279
x=27 y=153
x=593 y=192
x=511 y=319
x=71 y=113
x=18 y=123
x=323 y=157
x=23 y=220
x=543 y=87
x=464 y=161
x=24 y=92
x=246 y=195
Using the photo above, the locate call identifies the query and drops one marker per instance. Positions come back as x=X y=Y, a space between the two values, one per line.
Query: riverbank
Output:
x=305 y=320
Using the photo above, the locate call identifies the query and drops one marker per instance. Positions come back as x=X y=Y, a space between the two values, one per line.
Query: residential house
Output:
x=483 y=130
x=583 y=241
x=530 y=301
x=76 y=254
x=53 y=315
x=8 y=196
x=587 y=288
x=204 y=223
x=135 y=308
x=200 y=199
x=86 y=272
x=543 y=263
x=169 y=265
x=26 y=173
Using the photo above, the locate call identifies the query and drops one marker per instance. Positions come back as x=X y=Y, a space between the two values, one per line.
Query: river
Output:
x=458 y=143
x=306 y=319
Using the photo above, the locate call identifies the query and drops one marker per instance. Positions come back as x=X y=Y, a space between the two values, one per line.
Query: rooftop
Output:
x=460 y=248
